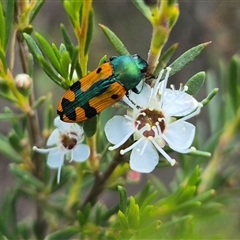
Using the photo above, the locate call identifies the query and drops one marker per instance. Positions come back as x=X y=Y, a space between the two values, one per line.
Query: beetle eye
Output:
x=135 y=56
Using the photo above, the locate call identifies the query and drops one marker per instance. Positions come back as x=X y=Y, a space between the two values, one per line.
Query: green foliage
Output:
x=196 y=204
x=114 y=40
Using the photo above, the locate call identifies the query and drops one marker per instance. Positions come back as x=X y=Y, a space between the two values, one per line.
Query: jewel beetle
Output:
x=101 y=88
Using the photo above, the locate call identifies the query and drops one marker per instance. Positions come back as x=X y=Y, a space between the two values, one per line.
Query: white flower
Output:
x=158 y=118
x=65 y=142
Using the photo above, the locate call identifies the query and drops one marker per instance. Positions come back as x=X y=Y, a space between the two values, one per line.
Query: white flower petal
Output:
x=178 y=103
x=55 y=158
x=179 y=135
x=117 y=128
x=80 y=153
x=60 y=124
x=142 y=98
x=54 y=138
x=144 y=161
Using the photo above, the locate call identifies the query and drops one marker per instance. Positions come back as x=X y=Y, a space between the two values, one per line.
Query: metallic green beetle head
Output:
x=129 y=70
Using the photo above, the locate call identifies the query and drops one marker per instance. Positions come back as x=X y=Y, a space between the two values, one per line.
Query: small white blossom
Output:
x=158 y=118
x=65 y=142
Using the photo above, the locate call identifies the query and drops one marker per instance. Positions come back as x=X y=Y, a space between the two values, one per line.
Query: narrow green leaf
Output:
x=65 y=234
x=143 y=8
x=56 y=51
x=102 y=60
x=133 y=214
x=15 y=141
x=123 y=199
x=25 y=176
x=46 y=47
x=65 y=63
x=68 y=6
x=8 y=21
x=214 y=112
x=9 y=214
x=36 y=9
x=233 y=82
x=115 y=41
x=195 y=83
x=122 y=220
x=2 y=28
x=9 y=115
x=205 y=196
x=195 y=177
x=187 y=57
x=48 y=70
x=186 y=194
x=39 y=102
x=210 y=96
x=75 y=64
x=90 y=30
x=3 y=60
x=165 y=58
x=7 y=150
x=90 y=126
x=32 y=46
x=30 y=65
x=67 y=40
x=147 y=230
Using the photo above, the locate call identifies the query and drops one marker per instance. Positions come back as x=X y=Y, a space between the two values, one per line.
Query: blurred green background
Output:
x=199 y=21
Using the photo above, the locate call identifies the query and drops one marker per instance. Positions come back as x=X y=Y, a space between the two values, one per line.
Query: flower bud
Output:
x=23 y=83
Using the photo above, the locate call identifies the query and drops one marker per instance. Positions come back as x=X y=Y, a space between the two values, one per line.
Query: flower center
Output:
x=69 y=142
x=151 y=121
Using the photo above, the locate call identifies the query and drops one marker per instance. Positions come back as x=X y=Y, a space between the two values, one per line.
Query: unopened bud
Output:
x=23 y=83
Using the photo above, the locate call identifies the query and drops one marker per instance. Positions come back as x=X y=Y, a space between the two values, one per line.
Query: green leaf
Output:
x=67 y=40
x=187 y=57
x=25 y=176
x=56 y=51
x=46 y=47
x=2 y=28
x=186 y=194
x=102 y=60
x=133 y=214
x=3 y=60
x=39 y=102
x=123 y=199
x=65 y=62
x=149 y=229
x=90 y=126
x=9 y=115
x=115 y=41
x=75 y=63
x=233 y=82
x=82 y=216
x=48 y=70
x=165 y=58
x=7 y=150
x=143 y=8
x=35 y=10
x=8 y=21
x=65 y=234
x=8 y=216
x=195 y=178
x=205 y=196
x=32 y=46
x=89 y=32
x=122 y=220
x=71 y=12
x=209 y=97
x=15 y=141
x=195 y=83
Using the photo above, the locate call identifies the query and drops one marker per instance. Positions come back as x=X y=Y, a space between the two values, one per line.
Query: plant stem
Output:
x=35 y=140
x=100 y=180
